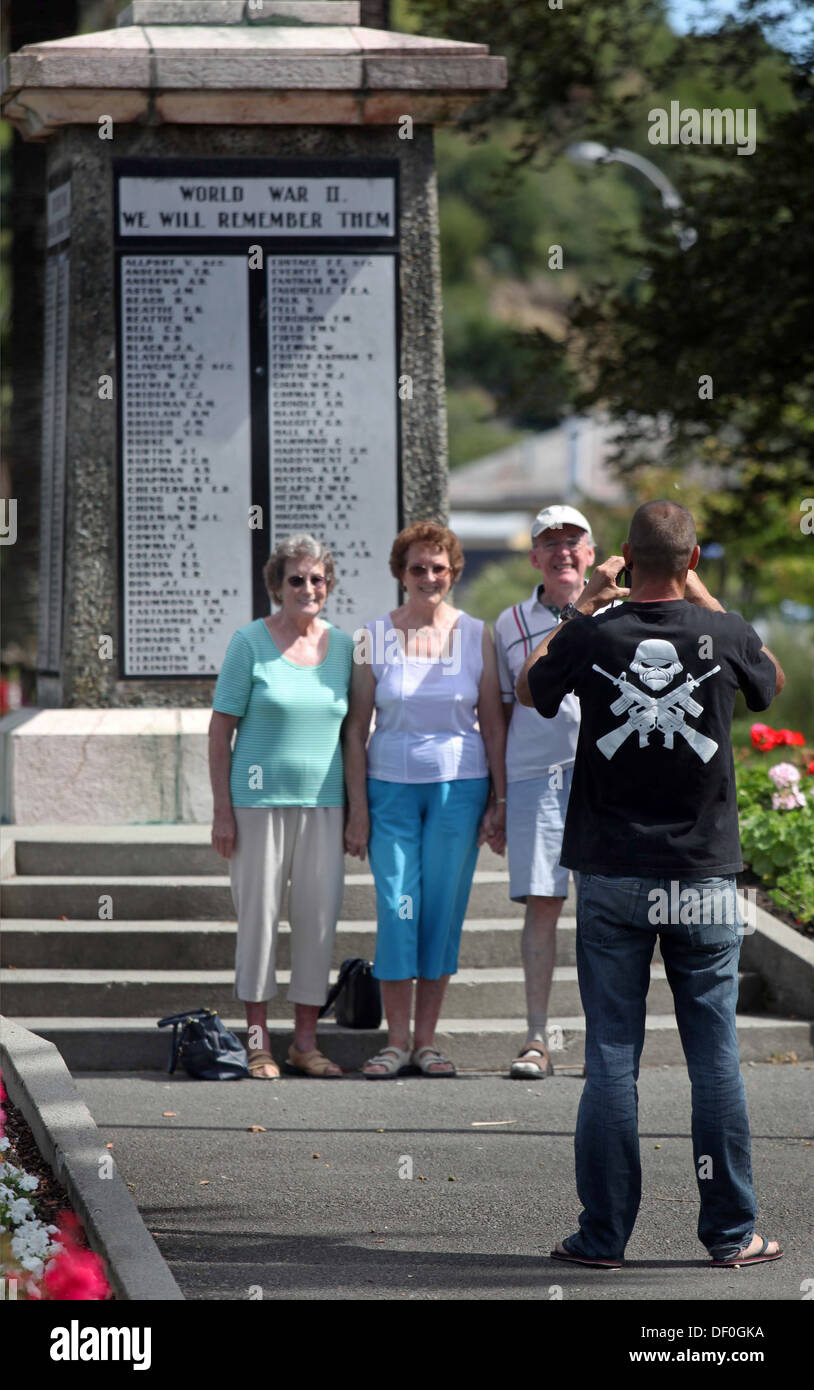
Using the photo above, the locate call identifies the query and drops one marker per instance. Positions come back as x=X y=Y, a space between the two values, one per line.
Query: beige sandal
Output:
x=258 y=1060
x=312 y=1063
x=532 y=1063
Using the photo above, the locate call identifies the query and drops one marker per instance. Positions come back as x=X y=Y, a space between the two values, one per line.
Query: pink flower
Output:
x=786 y=801
x=74 y=1274
x=784 y=774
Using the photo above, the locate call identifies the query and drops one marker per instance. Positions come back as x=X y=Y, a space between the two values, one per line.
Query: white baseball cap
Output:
x=552 y=518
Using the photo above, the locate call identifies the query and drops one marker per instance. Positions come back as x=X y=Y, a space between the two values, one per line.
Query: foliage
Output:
x=778 y=845
x=734 y=308
x=498 y=586
x=473 y=429
x=649 y=320
x=793 y=708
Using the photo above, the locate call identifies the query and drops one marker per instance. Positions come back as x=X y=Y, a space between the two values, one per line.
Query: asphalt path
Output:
x=436 y=1189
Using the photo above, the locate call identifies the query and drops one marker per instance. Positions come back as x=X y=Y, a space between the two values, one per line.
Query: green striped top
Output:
x=287 y=750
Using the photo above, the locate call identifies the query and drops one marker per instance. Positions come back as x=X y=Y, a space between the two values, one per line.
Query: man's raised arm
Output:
x=600 y=590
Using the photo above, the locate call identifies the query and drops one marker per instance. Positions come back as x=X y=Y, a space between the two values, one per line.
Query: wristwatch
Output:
x=570 y=611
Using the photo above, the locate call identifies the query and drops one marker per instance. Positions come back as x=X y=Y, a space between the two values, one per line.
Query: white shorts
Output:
x=275 y=844
x=535 y=820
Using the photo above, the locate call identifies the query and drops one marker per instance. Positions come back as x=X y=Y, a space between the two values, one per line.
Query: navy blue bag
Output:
x=207 y=1050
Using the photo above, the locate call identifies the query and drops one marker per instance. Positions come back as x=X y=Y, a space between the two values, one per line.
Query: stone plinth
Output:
x=241 y=66
x=83 y=766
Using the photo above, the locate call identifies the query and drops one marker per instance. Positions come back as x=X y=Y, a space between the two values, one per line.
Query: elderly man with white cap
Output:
x=539 y=765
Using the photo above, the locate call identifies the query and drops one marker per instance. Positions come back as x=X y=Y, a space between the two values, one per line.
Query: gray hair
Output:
x=297 y=547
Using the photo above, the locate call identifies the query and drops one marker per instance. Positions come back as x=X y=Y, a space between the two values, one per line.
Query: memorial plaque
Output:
x=259 y=392
x=186 y=464
x=332 y=417
x=54 y=404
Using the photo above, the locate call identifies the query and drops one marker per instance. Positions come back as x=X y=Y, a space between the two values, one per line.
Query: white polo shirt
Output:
x=534 y=744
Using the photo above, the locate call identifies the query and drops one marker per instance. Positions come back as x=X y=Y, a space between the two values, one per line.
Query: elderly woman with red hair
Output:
x=419 y=797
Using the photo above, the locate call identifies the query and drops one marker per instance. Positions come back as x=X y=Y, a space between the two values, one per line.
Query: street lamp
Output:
x=591 y=152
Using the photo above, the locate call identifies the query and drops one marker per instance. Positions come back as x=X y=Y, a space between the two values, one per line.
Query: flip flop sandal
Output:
x=392 y=1059
x=531 y=1064
x=262 y=1059
x=759 y=1258
x=426 y=1057
x=313 y=1064
x=583 y=1259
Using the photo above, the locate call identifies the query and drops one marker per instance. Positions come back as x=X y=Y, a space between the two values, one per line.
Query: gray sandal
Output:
x=426 y=1057
x=392 y=1059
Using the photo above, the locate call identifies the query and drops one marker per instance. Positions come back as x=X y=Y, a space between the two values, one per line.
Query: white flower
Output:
x=32 y=1237
x=20 y=1210
x=32 y=1263
x=4 y=1144
x=29 y=1183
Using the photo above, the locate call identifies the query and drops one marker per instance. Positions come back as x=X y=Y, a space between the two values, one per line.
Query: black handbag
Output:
x=207 y=1050
x=356 y=998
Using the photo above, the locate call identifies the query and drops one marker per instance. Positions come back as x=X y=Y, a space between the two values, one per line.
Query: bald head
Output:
x=661 y=539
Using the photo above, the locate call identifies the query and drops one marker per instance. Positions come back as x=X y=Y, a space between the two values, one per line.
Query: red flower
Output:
x=810 y=767
x=764 y=737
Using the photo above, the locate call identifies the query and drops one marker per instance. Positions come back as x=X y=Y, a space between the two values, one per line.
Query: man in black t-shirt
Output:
x=652 y=833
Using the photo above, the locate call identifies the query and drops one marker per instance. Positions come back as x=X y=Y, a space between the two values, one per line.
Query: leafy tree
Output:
x=736 y=306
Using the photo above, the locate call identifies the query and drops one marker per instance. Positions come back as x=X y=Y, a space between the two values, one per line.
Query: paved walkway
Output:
x=314 y=1207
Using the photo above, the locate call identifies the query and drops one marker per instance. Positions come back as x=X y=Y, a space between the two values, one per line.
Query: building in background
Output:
x=494 y=500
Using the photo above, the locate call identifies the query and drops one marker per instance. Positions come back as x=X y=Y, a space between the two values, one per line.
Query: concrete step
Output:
x=29 y=943
x=130 y=1044
x=206 y=897
x=136 y=850
x=477 y=993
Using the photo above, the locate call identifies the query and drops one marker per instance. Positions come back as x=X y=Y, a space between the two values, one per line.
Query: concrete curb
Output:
x=39 y=1083
x=785 y=961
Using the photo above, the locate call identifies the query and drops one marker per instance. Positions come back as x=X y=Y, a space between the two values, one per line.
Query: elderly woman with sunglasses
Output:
x=419 y=796
x=279 y=795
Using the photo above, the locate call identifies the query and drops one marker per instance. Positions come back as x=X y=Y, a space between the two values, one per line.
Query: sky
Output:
x=701 y=14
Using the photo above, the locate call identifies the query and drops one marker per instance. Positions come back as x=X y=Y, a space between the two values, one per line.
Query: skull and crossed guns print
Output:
x=656 y=664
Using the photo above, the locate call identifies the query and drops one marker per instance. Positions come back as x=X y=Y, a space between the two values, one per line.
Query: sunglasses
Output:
x=417 y=571
x=296 y=580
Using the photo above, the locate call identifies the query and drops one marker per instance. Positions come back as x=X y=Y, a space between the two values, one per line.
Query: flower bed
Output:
x=42 y=1249
x=776 y=810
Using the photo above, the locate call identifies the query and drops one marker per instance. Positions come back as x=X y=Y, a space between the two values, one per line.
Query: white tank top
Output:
x=426 y=722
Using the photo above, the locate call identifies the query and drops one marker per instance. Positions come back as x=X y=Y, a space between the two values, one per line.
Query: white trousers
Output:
x=275 y=845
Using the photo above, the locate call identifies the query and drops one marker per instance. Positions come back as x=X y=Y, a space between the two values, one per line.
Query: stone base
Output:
x=101 y=767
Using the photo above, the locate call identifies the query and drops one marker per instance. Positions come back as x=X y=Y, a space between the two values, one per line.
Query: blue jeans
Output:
x=618 y=920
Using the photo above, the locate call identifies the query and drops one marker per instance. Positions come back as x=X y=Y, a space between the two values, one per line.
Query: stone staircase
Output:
x=105 y=929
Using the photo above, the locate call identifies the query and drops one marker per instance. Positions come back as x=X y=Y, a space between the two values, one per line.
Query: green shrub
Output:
x=778 y=845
